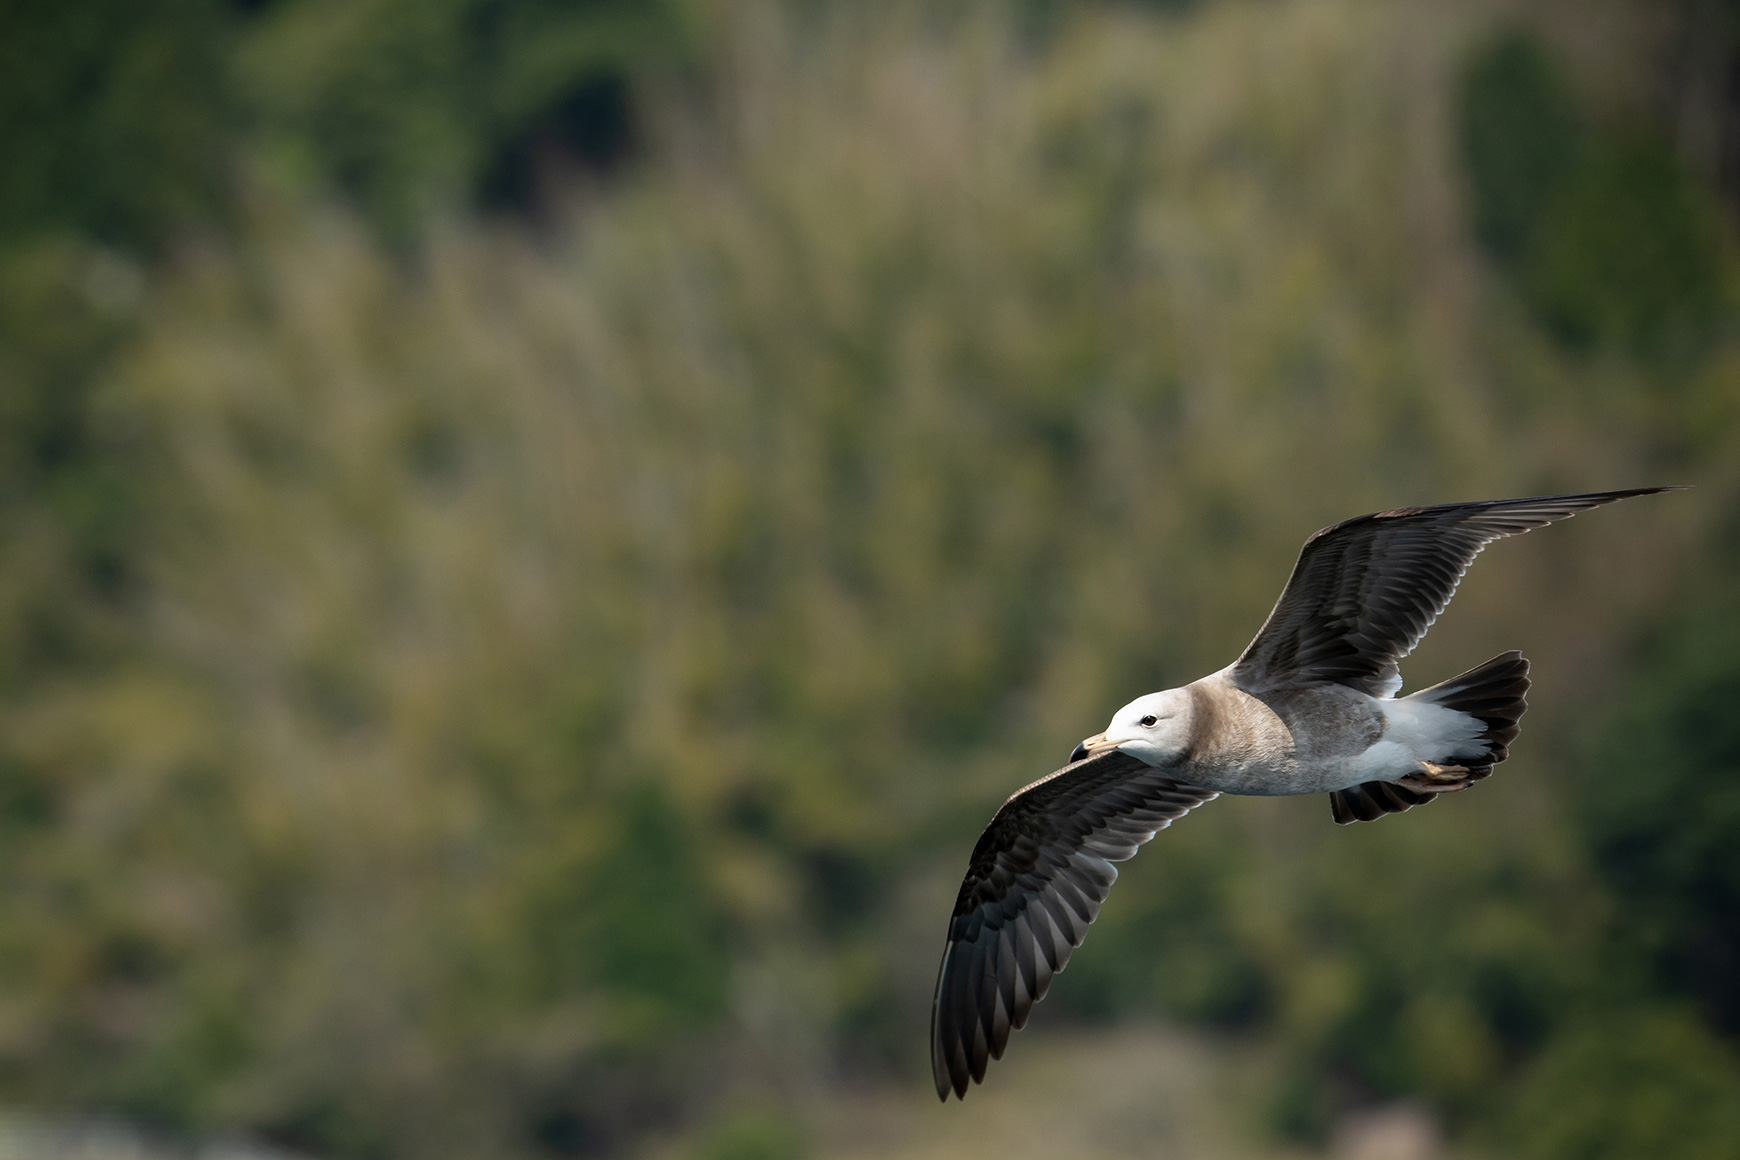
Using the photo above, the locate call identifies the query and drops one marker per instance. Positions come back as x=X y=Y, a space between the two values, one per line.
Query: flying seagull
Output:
x=1309 y=707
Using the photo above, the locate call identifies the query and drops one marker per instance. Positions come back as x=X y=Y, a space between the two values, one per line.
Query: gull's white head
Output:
x=1154 y=729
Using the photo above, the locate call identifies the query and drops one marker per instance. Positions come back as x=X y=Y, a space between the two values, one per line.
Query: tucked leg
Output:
x=1434 y=779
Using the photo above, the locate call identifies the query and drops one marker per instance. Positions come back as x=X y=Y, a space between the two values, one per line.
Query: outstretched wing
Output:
x=1038 y=876
x=1366 y=590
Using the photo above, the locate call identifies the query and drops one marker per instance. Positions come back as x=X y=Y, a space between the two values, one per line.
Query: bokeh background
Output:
x=535 y=533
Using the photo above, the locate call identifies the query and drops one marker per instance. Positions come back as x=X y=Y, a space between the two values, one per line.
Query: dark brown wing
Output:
x=1038 y=876
x=1366 y=590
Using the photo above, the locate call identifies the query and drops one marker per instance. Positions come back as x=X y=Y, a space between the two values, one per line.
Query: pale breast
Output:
x=1237 y=744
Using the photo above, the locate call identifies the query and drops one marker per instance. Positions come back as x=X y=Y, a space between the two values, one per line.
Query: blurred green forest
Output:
x=534 y=534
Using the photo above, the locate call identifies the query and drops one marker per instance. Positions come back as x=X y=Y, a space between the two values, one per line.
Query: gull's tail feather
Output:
x=1372 y=800
x=1495 y=694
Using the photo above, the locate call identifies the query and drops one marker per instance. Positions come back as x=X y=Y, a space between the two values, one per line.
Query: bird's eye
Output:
x=1149 y=719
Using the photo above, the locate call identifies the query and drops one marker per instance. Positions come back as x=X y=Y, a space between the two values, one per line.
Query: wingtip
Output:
x=948 y=1085
x=1634 y=491
x=1604 y=497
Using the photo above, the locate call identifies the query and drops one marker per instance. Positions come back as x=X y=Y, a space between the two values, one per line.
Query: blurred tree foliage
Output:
x=754 y=1134
x=1606 y=233
x=1662 y=815
x=1631 y=1084
x=513 y=701
x=1521 y=136
x=125 y=122
x=410 y=105
x=112 y=117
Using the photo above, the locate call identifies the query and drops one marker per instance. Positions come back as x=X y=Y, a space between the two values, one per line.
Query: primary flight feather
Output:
x=1309 y=707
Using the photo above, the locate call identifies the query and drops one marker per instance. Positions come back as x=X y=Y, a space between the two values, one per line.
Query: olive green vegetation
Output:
x=1609 y=238
x=123 y=121
x=1665 y=843
x=111 y=116
x=542 y=693
x=412 y=104
x=754 y=1135
x=1630 y=1085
